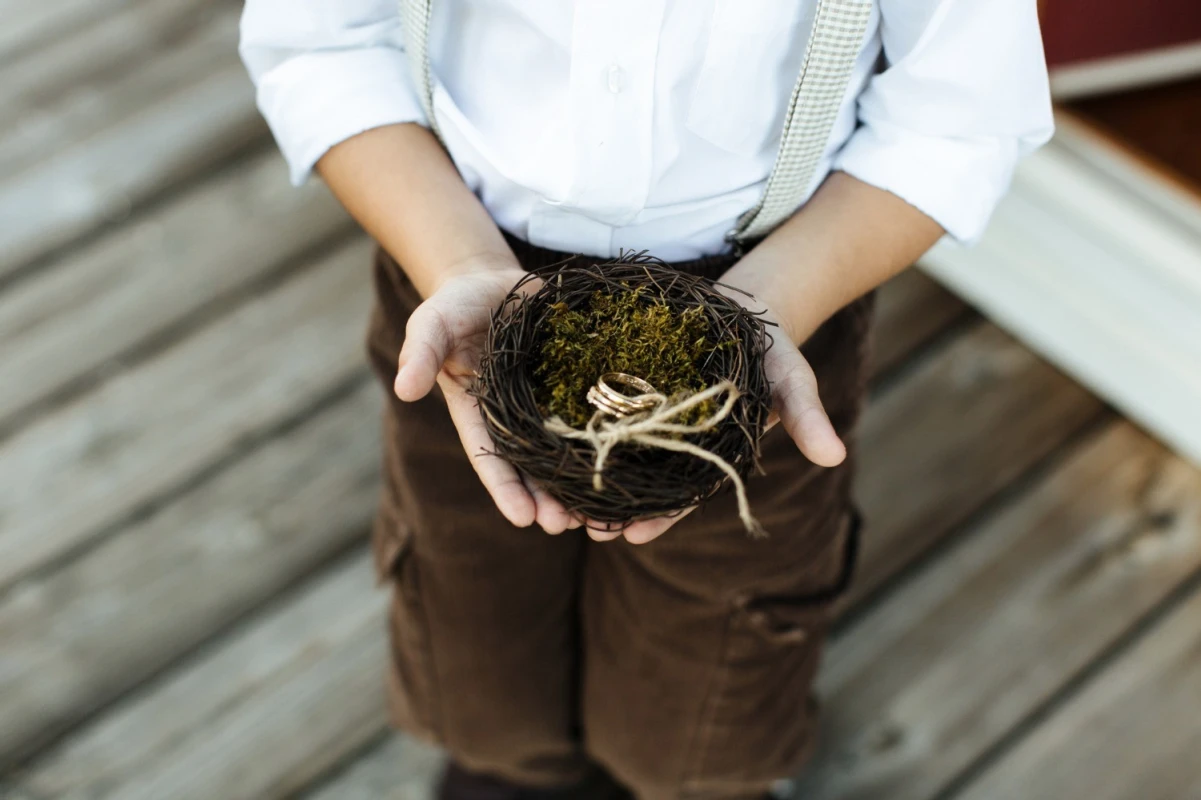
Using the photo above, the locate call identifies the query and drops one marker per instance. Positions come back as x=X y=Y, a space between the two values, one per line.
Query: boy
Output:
x=477 y=139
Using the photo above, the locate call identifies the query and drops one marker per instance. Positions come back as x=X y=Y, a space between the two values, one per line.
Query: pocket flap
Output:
x=391 y=541
x=792 y=618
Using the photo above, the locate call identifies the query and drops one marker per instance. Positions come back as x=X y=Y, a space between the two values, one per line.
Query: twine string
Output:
x=655 y=428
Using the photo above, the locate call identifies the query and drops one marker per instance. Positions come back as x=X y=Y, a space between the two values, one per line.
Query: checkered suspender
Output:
x=834 y=45
x=415 y=18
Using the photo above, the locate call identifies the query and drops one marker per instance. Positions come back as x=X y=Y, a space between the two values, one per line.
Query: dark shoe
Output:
x=459 y=784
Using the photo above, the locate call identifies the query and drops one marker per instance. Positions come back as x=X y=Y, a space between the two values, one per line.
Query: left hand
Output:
x=795 y=403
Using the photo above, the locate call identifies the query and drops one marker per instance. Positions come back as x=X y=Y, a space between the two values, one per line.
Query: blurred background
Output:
x=188 y=446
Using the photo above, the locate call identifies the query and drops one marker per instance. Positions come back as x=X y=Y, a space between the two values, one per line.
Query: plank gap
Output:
x=1027 y=481
x=151 y=427
x=318 y=645
x=237 y=450
x=179 y=329
x=330 y=776
x=236 y=157
x=897 y=371
x=1004 y=619
x=1138 y=631
x=182 y=575
x=47 y=740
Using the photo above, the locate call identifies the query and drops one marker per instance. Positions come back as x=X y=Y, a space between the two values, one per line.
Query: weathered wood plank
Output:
x=30 y=23
x=921 y=475
x=178 y=577
x=8 y=792
x=911 y=309
x=103 y=177
x=399 y=768
x=259 y=714
x=144 y=431
x=85 y=59
x=966 y=649
x=1134 y=732
x=67 y=93
x=94 y=304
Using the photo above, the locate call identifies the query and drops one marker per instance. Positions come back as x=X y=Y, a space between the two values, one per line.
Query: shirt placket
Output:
x=611 y=105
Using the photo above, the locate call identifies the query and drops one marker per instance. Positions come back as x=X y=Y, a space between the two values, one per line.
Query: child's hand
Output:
x=795 y=399
x=849 y=238
x=442 y=344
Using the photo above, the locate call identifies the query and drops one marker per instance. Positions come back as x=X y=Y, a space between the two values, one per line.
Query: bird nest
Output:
x=560 y=329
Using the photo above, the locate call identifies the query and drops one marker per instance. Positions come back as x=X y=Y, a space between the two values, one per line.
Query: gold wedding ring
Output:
x=611 y=401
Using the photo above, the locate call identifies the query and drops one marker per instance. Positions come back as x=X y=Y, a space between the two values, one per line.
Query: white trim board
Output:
x=1127 y=71
x=1094 y=260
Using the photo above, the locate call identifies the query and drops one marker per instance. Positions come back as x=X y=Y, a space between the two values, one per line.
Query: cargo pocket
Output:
x=792 y=619
x=761 y=717
x=412 y=696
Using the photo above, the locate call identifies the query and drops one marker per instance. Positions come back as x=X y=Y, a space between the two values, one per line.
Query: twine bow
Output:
x=654 y=428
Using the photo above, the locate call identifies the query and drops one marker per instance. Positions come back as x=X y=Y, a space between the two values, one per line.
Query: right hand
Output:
x=443 y=341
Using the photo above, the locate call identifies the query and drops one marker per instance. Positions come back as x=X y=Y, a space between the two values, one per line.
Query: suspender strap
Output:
x=834 y=44
x=415 y=19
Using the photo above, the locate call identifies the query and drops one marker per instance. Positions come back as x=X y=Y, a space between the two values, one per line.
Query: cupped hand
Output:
x=443 y=340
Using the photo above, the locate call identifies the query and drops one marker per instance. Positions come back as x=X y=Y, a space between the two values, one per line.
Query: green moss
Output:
x=622 y=332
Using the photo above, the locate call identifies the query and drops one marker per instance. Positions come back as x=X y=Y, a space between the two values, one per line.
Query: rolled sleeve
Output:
x=956 y=183
x=963 y=97
x=325 y=71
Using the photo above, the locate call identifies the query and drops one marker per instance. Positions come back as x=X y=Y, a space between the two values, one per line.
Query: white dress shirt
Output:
x=596 y=125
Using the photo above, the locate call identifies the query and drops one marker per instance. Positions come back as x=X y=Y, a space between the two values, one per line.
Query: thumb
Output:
x=801 y=413
x=428 y=343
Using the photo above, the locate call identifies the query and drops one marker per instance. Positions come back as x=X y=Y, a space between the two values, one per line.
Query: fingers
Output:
x=550 y=513
x=648 y=530
x=794 y=390
x=428 y=343
x=502 y=482
x=639 y=532
x=603 y=531
x=519 y=503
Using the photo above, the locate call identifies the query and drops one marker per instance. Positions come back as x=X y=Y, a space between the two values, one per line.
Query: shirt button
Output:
x=615 y=78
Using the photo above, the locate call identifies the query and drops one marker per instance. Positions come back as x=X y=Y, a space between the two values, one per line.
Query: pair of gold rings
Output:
x=611 y=401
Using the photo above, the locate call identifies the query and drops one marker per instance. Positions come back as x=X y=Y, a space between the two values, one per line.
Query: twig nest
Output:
x=561 y=329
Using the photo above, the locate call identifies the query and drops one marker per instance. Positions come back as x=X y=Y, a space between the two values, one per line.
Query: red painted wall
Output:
x=1081 y=30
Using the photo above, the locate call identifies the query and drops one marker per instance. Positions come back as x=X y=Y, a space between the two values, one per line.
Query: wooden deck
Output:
x=188 y=457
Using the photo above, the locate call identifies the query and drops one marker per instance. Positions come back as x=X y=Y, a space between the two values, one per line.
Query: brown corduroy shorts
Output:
x=682 y=666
